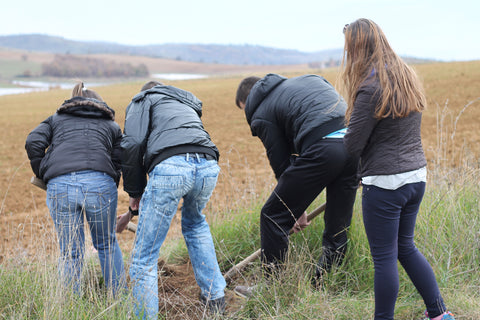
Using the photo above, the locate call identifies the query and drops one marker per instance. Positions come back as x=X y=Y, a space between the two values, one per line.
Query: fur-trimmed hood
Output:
x=87 y=107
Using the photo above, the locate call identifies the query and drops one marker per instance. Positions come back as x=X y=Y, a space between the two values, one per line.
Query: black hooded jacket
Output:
x=159 y=123
x=81 y=135
x=289 y=115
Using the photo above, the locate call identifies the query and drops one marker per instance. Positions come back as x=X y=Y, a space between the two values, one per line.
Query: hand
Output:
x=301 y=223
x=122 y=221
x=134 y=203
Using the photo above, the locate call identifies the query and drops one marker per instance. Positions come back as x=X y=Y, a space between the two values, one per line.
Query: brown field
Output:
x=25 y=226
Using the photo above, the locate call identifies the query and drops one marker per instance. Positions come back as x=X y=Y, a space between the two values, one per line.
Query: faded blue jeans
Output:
x=193 y=179
x=94 y=193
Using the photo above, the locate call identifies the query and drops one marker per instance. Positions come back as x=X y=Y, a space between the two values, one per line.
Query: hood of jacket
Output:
x=182 y=96
x=260 y=90
x=87 y=107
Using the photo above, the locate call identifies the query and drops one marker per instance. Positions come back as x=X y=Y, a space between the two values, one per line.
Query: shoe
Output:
x=446 y=316
x=245 y=291
x=330 y=257
x=215 y=306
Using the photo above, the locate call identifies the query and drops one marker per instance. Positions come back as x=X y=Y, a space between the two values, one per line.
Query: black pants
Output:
x=325 y=164
x=389 y=217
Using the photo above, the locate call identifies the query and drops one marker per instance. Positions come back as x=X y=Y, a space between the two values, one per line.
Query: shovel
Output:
x=242 y=264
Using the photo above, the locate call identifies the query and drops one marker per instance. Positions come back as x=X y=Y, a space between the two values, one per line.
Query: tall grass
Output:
x=31 y=290
x=447 y=233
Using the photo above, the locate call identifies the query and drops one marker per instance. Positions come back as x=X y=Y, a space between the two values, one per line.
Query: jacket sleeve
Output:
x=37 y=142
x=117 y=152
x=133 y=145
x=275 y=143
x=362 y=122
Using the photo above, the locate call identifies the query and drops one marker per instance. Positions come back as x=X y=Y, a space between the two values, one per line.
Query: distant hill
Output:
x=204 y=53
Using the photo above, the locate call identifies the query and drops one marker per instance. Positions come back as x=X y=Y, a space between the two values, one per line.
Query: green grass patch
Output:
x=448 y=234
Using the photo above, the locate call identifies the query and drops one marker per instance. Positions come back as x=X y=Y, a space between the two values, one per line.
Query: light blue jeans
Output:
x=94 y=193
x=193 y=179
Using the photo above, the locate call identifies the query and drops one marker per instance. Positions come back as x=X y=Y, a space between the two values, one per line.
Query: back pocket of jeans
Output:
x=166 y=193
x=57 y=199
x=208 y=185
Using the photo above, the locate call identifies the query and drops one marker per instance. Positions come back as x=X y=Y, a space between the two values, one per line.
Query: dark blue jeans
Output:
x=389 y=217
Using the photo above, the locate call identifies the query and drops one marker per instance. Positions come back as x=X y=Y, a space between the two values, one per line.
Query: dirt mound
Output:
x=179 y=294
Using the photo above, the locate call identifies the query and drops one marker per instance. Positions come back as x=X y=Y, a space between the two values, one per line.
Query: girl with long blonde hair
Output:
x=385 y=102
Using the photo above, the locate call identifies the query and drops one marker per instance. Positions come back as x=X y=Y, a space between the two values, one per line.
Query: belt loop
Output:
x=188 y=156
x=198 y=157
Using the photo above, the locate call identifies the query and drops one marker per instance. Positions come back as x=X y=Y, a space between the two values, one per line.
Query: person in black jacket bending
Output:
x=301 y=124
x=164 y=137
x=76 y=152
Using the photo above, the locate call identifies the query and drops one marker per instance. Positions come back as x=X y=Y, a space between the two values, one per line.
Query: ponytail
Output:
x=80 y=91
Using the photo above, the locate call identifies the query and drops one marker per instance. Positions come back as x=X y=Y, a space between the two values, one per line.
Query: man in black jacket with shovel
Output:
x=301 y=124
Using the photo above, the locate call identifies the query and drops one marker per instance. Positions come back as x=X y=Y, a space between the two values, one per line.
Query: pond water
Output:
x=36 y=86
x=7 y=91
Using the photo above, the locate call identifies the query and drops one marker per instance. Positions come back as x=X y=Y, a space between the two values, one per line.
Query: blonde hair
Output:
x=367 y=56
x=80 y=91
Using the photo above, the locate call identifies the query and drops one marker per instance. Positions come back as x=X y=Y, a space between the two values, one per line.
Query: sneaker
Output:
x=446 y=316
x=245 y=291
x=330 y=257
x=215 y=306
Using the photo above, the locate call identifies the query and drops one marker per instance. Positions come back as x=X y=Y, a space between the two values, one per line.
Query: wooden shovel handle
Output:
x=242 y=264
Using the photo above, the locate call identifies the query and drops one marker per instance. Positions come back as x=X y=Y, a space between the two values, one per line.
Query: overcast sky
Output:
x=438 y=29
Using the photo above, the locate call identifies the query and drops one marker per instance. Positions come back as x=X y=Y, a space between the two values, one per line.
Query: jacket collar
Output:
x=87 y=107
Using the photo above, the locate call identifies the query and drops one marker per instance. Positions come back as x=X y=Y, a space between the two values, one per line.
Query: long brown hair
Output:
x=367 y=54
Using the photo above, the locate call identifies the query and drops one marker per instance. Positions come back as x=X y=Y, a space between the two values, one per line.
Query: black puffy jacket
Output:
x=81 y=135
x=158 y=120
x=288 y=115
